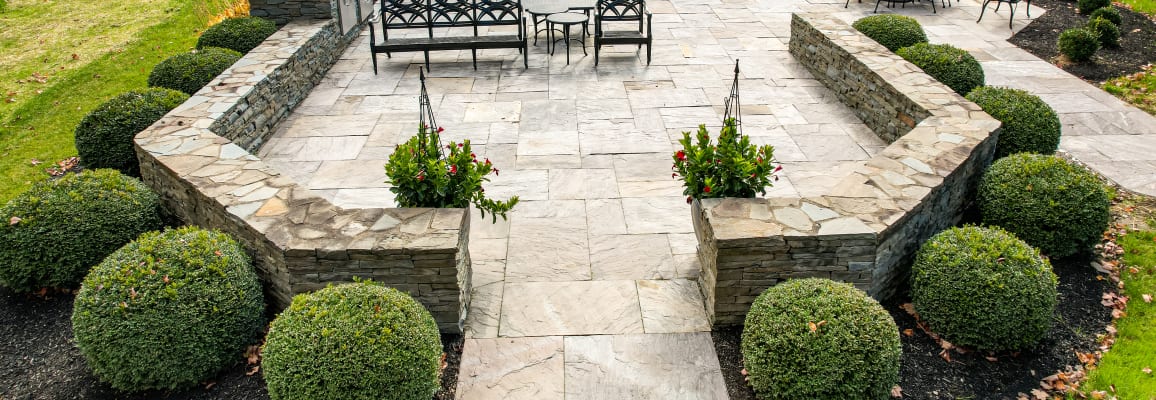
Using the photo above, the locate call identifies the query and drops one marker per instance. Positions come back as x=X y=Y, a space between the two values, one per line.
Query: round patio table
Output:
x=539 y=11
x=566 y=19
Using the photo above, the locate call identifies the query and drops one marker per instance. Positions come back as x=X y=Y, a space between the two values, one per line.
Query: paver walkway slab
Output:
x=588 y=290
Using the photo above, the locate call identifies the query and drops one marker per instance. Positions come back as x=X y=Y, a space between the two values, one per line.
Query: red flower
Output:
x=779 y=168
x=706 y=189
x=453 y=169
x=440 y=129
x=673 y=175
x=461 y=144
x=688 y=199
x=496 y=171
x=487 y=161
x=421 y=177
x=681 y=155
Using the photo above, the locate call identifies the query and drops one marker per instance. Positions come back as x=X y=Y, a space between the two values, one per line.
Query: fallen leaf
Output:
x=1147 y=297
x=908 y=332
x=1099 y=394
x=253 y=371
x=896 y=391
x=811 y=325
x=744 y=372
x=34 y=162
x=1146 y=370
x=210 y=385
x=16 y=220
x=1039 y=394
x=910 y=308
x=75 y=56
x=990 y=358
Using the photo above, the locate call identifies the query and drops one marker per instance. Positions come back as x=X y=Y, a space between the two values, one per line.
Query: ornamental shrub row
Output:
x=950 y=65
x=1102 y=31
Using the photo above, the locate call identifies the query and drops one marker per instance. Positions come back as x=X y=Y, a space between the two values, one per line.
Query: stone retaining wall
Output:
x=199 y=159
x=283 y=11
x=868 y=227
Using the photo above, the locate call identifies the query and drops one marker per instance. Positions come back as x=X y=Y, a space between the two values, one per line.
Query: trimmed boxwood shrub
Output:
x=189 y=72
x=56 y=231
x=1078 y=44
x=948 y=64
x=818 y=339
x=983 y=288
x=1109 y=13
x=1106 y=31
x=892 y=31
x=1029 y=124
x=238 y=34
x=353 y=341
x=1088 y=6
x=1052 y=204
x=168 y=310
x=104 y=138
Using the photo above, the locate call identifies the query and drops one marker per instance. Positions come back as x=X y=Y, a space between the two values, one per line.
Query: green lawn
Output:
x=1135 y=349
x=1144 y=6
x=1139 y=89
x=39 y=125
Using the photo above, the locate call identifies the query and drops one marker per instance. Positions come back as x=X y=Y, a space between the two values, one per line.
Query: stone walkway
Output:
x=588 y=291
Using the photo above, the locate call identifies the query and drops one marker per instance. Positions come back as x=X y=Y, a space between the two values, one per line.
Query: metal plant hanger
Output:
x=732 y=103
x=426 y=117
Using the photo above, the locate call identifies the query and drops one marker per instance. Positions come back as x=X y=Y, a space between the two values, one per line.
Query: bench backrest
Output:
x=429 y=14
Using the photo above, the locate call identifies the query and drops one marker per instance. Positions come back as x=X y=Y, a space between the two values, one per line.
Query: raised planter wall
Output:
x=199 y=159
x=867 y=228
x=283 y=11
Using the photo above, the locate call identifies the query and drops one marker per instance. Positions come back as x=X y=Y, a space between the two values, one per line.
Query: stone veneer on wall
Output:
x=283 y=11
x=198 y=158
x=868 y=227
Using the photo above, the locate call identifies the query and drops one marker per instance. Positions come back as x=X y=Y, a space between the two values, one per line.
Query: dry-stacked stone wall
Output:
x=199 y=159
x=283 y=11
x=867 y=228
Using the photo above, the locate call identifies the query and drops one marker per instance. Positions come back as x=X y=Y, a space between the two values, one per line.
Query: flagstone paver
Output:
x=602 y=242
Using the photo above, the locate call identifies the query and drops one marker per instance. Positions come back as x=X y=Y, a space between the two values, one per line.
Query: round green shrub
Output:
x=892 y=31
x=1052 y=204
x=189 y=72
x=168 y=310
x=819 y=339
x=1088 y=6
x=1078 y=44
x=953 y=66
x=238 y=34
x=104 y=138
x=353 y=341
x=1029 y=124
x=56 y=231
x=1109 y=13
x=983 y=288
x=1106 y=31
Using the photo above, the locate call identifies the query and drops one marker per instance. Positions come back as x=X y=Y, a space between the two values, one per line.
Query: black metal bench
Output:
x=445 y=15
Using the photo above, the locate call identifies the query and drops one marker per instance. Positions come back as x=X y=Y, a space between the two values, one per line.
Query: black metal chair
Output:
x=622 y=11
x=1010 y=3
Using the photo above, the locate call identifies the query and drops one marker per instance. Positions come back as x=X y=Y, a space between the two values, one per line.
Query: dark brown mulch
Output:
x=38 y=360
x=1137 y=41
x=925 y=375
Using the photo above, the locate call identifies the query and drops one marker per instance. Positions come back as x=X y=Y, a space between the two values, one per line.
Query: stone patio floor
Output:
x=588 y=290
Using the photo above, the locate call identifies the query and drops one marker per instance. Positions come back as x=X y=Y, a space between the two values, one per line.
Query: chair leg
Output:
x=1011 y=19
x=877 y=6
x=982 y=9
x=648 y=54
x=374 y=63
x=848 y=4
x=1029 y=10
x=597 y=48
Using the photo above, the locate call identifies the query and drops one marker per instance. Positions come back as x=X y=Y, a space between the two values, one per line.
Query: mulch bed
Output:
x=39 y=360
x=1137 y=41
x=924 y=374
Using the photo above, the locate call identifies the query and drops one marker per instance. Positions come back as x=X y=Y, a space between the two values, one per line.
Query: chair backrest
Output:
x=621 y=10
x=499 y=12
x=405 y=13
x=450 y=13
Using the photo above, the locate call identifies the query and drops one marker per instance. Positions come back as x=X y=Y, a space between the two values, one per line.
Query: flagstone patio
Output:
x=588 y=290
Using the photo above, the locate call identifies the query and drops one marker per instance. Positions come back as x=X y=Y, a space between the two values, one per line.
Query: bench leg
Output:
x=597 y=50
x=374 y=62
x=427 y=60
x=474 y=52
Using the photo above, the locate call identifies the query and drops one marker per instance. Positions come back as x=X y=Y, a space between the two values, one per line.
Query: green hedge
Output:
x=1078 y=44
x=56 y=231
x=1088 y=6
x=238 y=34
x=189 y=72
x=104 y=138
x=353 y=341
x=168 y=310
x=983 y=288
x=1052 y=204
x=952 y=66
x=818 y=339
x=1109 y=13
x=1106 y=31
x=892 y=31
x=1029 y=124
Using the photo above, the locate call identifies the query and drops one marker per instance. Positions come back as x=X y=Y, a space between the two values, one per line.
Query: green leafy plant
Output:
x=238 y=34
x=104 y=138
x=892 y=31
x=1088 y=6
x=1106 y=31
x=983 y=288
x=950 y=65
x=1052 y=204
x=818 y=339
x=1029 y=124
x=353 y=341
x=1109 y=13
x=1078 y=44
x=52 y=234
x=423 y=175
x=732 y=167
x=168 y=310
x=189 y=72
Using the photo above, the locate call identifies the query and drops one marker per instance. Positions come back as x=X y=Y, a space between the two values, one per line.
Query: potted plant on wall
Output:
x=423 y=173
x=732 y=166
